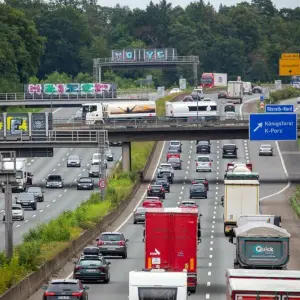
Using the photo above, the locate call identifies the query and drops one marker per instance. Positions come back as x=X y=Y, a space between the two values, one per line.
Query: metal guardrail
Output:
x=168 y=59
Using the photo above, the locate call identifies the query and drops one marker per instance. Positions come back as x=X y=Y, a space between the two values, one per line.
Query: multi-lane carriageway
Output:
x=215 y=254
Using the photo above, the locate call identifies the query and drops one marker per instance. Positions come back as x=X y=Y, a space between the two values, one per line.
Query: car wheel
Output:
x=124 y=256
x=191 y=197
x=77 y=188
x=205 y=197
x=107 y=280
x=23 y=219
x=164 y=197
x=3 y=191
x=92 y=188
x=34 y=208
x=134 y=222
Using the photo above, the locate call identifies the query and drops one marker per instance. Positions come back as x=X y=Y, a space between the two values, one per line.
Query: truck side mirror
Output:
x=231 y=239
x=222 y=201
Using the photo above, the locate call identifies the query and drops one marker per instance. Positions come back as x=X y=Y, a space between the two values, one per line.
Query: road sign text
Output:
x=273 y=108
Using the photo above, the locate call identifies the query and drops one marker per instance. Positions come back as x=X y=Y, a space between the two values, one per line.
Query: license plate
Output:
x=63 y=297
x=25 y=203
x=112 y=248
x=91 y=270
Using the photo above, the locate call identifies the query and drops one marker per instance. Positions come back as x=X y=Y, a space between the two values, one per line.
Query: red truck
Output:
x=262 y=289
x=171 y=241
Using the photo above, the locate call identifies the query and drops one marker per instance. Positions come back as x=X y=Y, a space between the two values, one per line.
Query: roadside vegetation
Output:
x=45 y=241
x=295 y=201
x=283 y=94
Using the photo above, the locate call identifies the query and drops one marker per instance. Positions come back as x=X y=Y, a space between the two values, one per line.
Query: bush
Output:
x=295 y=201
x=290 y=92
x=47 y=240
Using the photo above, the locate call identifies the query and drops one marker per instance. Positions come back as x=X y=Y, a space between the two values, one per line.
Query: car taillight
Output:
x=49 y=294
x=77 y=294
x=210 y=164
x=196 y=163
x=99 y=243
x=162 y=189
x=122 y=243
x=101 y=269
x=78 y=268
x=206 y=182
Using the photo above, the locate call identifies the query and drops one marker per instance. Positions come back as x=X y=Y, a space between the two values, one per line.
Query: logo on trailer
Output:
x=156 y=252
x=208 y=108
x=266 y=249
x=180 y=253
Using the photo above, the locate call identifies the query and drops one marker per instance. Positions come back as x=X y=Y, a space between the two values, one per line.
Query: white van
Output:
x=96 y=160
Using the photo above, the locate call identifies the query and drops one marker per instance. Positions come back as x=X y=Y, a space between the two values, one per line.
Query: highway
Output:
x=215 y=254
x=56 y=200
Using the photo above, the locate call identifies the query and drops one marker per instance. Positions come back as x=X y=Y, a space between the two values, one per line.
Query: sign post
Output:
x=273 y=127
x=102 y=184
x=289 y=64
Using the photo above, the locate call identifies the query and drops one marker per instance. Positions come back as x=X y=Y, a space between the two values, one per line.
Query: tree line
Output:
x=38 y=38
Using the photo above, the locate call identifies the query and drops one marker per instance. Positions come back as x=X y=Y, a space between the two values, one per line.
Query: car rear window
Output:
x=229 y=147
x=63 y=286
x=111 y=237
x=203 y=158
x=73 y=157
x=16 y=208
x=96 y=262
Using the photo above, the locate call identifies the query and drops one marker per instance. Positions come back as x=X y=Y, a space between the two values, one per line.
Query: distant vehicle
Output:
x=247 y=88
x=203 y=163
x=62 y=288
x=165 y=173
x=229 y=107
x=257 y=89
x=166 y=166
x=203 y=147
x=235 y=91
x=298 y=100
x=94 y=171
x=229 y=150
x=109 y=155
x=112 y=244
x=92 y=268
x=91 y=251
x=175 y=145
x=164 y=182
x=173 y=153
x=139 y=215
x=202 y=180
x=197 y=94
x=198 y=191
x=85 y=183
x=152 y=203
x=96 y=160
x=188 y=204
x=188 y=99
x=210 y=80
x=156 y=190
x=38 y=193
x=230 y=115
x=17 y=213
x=222 y=94
x=175 y=90
x=27 y=200
x=74 y=161
x=175 y=162
x=265 y=150
x=54 y=181
x=115 y=143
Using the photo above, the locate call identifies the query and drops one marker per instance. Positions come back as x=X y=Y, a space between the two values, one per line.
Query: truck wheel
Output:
x=192 y=290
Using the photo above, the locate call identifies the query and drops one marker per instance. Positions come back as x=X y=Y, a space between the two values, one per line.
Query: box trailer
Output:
x=255 y=219
x=235 y=91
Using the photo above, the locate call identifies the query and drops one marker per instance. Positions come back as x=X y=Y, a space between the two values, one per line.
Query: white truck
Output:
x=157 y=284
x=220 y=79
x=235 y=91
x=241 y=198
x=247 y=88
x=22 y=175
x=255 y=219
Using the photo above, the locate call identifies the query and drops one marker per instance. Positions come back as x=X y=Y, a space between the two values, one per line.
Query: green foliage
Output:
x=160 y=103
x=290 y=92
x=295 y=201
x=46 y=240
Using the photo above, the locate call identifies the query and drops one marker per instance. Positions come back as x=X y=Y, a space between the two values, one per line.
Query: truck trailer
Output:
x=235 y=91
x=210 y=80
x=255 y=219
x=171 y=241
x=262 y=289
x=158 y=284
x=261 y=246
x=247 y=88
x=241 y=198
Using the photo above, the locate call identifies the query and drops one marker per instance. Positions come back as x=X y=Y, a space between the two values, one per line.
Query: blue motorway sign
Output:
x=276 y=108
x=261 y=98
x=273 y=127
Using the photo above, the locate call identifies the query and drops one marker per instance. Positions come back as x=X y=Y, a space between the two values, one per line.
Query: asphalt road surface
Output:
x=215 y=253
x=56 y=200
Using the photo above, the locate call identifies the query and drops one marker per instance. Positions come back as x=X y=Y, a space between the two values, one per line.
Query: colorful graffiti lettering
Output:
x=35 y=88
x=149 y=55
x=16 y=125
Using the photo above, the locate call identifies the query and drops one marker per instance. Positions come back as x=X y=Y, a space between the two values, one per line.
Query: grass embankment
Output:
x=46 y=240
x=295 y=201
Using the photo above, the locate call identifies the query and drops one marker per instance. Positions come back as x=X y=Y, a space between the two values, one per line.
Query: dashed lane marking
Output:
x=210 y=264
x=34 y=216
x=41 y=210
x=208 y=284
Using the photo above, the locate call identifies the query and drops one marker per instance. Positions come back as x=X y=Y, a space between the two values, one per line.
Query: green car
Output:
x=92 y=268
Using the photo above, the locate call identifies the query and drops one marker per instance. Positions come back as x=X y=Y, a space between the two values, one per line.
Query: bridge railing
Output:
x=183 y=59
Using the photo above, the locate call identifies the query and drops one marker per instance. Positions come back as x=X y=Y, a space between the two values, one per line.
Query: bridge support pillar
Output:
x=195 y=71
x=126 y=156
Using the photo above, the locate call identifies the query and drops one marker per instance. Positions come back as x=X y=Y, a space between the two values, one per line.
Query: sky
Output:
x=216 y=3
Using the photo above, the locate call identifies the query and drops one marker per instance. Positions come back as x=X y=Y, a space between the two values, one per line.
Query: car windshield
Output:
x=73 y=157
x=203 y=158
x=203 y=143
x=63 y=286
x=26 y=196
x=34 y=190
x=85 y=180
x=197 y=187
x=54 y=178
x=19 y=174
x=108 y=153
x=111 y=237
x=165 y=166
x=174 y=159
x=16 y=208
x=96 y=262
x=175 y=143
x=229 y=147
x=155 y=187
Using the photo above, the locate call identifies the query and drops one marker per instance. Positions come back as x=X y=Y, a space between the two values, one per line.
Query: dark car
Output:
x=29 y=178
x=156 y=190
x=257 y=89
x=188 y=99
x=112 y=244
x=175 y=162
x=202 y=180
x=54 y=181
x=139 y=215
x=92 y=268
x=229 y=108
x=203 y=147
x=85 y=183
x=164 y=182
x=71 y=289
x=91 y=250
x=165 y=173
x=229 y=150
x=222 y=94
x=94 y=171
x=38 y=193
x=27 y=200
x=198 y=191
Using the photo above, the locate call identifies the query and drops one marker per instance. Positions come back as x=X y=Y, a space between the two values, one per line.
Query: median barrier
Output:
x=31 y=283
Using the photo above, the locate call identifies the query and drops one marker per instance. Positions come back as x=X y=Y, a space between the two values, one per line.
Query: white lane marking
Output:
x=210 y=256
x=189 y=162
x=208 y=284
x=211 y=249
x=26 y=221
x=189 y=157
x=68 y=153
x=58 y=165
x=210 y=264
x=56 y=110
x=65 y=190
x=48 y=205
x=53 y=200
x=59 y=196
x=211 y=242
x=185 y=177
x=213 y=226
x=214 y=222
x=83 y=170
x=212 y=231
x=207 y=296
x=34 y=216
x=32 y=160
x=63 y=159
x=211 y=236
x=209 y=273
x=217 y=187
x=41 y=210
x=18 y=225
x=79 y=175
x=53 y=170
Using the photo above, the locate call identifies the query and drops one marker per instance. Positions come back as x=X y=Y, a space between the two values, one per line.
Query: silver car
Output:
x=74 y=161
x=139 y=215
x=17 y=213
x=175 y=162
x=265 y=150
x=175 y=145
x=109 y=155
x=203 y=163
